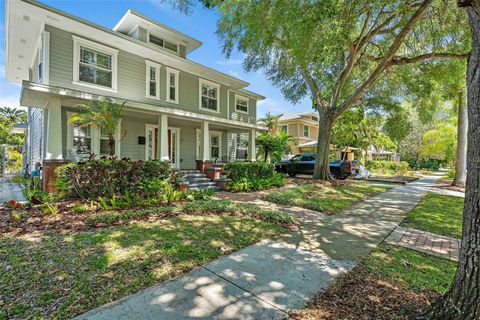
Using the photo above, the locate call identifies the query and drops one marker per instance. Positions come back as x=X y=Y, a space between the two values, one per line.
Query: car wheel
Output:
x=292 y=174
x=336 y=174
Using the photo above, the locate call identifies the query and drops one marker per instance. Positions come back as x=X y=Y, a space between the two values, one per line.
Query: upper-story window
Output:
x=162 y=43
x=306 y=131
x=94 y=64
x=172 y=85
x=241 y=104
x=152 y=77
x=209 y=95
x=284 y=128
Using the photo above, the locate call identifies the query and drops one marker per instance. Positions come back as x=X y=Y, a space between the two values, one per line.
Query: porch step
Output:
x=192 y=175
x=201 y=184
x=191 y=180
x=215 y=188
x=188 y=171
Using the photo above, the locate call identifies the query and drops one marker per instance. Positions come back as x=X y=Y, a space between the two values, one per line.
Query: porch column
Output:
x=252 y=150
x=204 y=142
x=53 y=156
x=163 y=137
x=53 y=141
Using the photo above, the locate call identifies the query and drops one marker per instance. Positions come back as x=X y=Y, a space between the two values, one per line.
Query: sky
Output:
x=200 y=24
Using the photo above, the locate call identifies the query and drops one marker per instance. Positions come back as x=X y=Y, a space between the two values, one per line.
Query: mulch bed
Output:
x=361 y=294
x=66 y=221
x=447 y=185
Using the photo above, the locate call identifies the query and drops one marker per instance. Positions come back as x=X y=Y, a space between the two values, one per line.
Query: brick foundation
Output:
x=214 y=172
x=48 y=174
x=203 y=165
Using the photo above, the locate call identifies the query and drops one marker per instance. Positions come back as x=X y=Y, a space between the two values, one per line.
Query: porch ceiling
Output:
x=37 y=95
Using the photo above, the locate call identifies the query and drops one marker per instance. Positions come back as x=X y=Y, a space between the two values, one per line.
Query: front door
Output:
x=151 y=145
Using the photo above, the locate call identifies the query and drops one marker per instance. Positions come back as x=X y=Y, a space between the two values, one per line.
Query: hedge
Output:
x=239 y=170
x=383 y=166
x=108 y=177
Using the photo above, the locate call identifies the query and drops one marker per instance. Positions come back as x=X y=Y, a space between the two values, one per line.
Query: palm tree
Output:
x=270 y=121
x=13 y=114
x=104 y=114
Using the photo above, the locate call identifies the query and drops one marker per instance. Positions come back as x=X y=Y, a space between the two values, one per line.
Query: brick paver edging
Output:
x=426 y=242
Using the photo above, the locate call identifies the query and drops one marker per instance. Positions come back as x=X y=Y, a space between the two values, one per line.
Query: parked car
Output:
x=304 y=163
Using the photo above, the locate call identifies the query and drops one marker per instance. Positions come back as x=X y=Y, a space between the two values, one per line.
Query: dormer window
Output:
x=162 y=43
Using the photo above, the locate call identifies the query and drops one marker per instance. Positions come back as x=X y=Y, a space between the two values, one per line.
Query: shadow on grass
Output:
x=59 y=276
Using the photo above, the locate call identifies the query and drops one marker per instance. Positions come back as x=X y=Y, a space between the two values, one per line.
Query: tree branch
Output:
x=384 y=63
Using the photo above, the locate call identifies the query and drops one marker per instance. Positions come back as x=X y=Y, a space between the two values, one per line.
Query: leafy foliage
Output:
x=252 y=176
x=109 y=177
x=104 y=114
x=387 y=167
x=272 y=146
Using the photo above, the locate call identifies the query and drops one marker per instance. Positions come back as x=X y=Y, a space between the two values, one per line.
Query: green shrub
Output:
x=253 y=176
x=109 y=177
x=238 y=170
x=387 y=167
x=427 y=164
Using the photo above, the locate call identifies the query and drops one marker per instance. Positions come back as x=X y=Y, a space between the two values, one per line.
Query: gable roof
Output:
x=298 y=116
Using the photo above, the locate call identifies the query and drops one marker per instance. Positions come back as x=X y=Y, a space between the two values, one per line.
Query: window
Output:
x=214 y=146
x=209 y=95
x=284 y=128
x=241 y=104
x=82 y=140
x=306 y=131
x=308 y=158
x=162 y=43
x=152 y=80
x=94 y=64
x=104 y=147
x=172 y=85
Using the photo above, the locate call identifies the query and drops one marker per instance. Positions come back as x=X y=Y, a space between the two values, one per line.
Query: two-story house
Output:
x=303 y=127
x=176 y=109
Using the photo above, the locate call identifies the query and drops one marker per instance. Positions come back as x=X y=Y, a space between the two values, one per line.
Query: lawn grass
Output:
x=415 y=270
x=440 y=214
x=51 y=275
x=324 y=198
x=390 y=283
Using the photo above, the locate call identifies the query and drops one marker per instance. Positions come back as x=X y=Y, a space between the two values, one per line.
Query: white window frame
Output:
x=306 y=126
x=150 y=64
x=176 y=73
x=77 y=43
x=242 y=98
x=217 y=86
x=95 y=136
x=198 y=143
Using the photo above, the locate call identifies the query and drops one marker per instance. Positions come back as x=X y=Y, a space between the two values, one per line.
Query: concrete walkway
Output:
x=271 y=278
x=10 y=190
x=426 y=242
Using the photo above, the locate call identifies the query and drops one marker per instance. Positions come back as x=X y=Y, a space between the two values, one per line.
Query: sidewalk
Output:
x=426 y=242
x=271 y=278
x=10 y=190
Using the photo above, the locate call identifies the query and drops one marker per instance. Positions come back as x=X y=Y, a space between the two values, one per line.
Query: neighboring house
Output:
x=375 y=153
x=303 y=127
x=176 y=109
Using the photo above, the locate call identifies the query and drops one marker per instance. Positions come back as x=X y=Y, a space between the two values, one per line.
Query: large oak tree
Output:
x=334 y=51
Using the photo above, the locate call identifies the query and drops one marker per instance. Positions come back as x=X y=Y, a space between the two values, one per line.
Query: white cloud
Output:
x=230 y=62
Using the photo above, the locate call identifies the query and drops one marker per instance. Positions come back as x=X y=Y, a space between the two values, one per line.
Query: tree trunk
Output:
x=111 y=146
x=462 y=301
x=325 y=124
x=461 y=156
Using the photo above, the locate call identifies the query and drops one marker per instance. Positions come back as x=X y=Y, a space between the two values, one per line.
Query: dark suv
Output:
x=304 y=163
